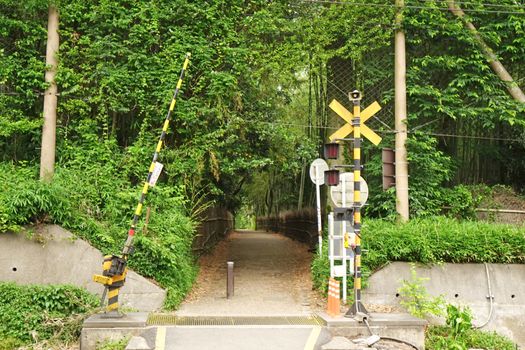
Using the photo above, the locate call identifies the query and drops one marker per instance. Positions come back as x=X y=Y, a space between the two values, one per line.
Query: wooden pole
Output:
x=47 y=152
x=401 y=164
x=491 y=57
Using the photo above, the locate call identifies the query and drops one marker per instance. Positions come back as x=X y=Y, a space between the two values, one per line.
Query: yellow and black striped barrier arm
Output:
x=138 y=211
x=114 y=268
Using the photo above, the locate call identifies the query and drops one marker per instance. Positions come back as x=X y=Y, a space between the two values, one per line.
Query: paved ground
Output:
x=243 y=338
x=257 y=338
x=272 y=277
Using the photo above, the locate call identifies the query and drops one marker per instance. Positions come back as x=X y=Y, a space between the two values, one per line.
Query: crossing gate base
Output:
x=97 y=328
x=400 y=326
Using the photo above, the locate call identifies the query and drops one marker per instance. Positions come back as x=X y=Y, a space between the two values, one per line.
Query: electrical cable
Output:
x=480 y=4
x=365 y=320
x=417 y=7
x=391 y=131
x=490 y=297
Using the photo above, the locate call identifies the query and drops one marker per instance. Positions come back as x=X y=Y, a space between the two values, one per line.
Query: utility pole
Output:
x=498 y=68
x=401 y=116
x=47 y=152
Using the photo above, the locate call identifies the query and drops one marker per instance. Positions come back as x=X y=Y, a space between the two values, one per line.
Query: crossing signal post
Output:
x=355 y=124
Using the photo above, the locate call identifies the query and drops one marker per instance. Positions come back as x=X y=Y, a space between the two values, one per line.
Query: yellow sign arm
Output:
x=370 y=134
x=341 y=133
x=341 y=111
x=369 y=112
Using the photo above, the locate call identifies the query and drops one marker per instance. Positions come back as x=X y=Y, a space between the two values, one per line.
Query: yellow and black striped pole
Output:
x=114 y=267
x=138 y=211
x=357 y=307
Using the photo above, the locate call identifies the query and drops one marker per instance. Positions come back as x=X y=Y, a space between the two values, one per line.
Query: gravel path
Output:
x=272 y=277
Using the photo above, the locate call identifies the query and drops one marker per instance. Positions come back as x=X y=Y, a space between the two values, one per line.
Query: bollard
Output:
x=229 y=280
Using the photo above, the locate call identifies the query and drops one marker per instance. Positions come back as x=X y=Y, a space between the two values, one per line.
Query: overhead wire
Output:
x=391 y=131
x=479 y=4
x=417 y=7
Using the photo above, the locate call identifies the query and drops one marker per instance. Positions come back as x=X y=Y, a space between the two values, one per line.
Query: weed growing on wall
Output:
x=415 y=298
x=458 y=334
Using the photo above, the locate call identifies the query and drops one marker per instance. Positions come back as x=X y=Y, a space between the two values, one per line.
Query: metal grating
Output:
x=173 y=320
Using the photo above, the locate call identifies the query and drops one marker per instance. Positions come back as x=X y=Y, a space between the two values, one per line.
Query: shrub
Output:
x=97 y=203
x=441 y=338
x=431 y=241
x=34 y=312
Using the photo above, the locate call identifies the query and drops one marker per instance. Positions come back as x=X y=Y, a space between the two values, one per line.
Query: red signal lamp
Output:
x=331 y=177
x=331 y=150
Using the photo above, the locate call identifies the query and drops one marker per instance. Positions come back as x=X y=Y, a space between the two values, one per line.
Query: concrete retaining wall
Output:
x=54 y=256
x=463 y=284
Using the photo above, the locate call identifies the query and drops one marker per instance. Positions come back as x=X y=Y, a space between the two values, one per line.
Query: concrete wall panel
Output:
x=463 y=284
x=55 y=256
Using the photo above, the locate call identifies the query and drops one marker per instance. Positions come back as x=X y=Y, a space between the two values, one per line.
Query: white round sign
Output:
x=317 y=169
x=336 y=192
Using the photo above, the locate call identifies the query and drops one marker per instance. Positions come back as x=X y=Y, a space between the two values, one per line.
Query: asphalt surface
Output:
x=241 y=338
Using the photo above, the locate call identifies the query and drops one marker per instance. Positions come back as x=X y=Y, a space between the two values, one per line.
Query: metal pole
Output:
x=343 y=226
x=319 y=224
x=331 y=242
x=229 y=280
x=357 y=307
x=401 y=164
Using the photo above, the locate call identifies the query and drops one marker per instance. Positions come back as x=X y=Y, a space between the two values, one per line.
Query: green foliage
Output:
x=458 y=334
x=415 y=298
x=431 y=241
x=460 y=202
x=320 y=268
x=459 y=320
x=95 y=202
x=9 y=343
x=25 y=200
x=119 y=344
x=30 y=313
x=430 y=169
x=453 y=90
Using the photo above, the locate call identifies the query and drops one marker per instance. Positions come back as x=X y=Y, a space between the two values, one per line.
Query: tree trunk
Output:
x=495 y=64
x=47 y=155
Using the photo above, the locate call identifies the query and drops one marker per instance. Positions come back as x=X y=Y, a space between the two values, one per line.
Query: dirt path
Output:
x=272 y=277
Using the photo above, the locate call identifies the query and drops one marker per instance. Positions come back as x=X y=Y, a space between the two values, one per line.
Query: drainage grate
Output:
x=162 y=319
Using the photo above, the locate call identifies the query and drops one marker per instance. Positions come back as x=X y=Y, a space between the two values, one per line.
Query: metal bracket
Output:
x=343 y=214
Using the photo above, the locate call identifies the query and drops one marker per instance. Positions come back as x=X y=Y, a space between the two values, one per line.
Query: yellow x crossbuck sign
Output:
x=346 y=129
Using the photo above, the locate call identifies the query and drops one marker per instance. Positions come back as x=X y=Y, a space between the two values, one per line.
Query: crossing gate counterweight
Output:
x=114 y=267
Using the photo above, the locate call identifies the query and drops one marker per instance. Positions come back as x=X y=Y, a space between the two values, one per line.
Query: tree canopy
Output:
x=253 y=109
